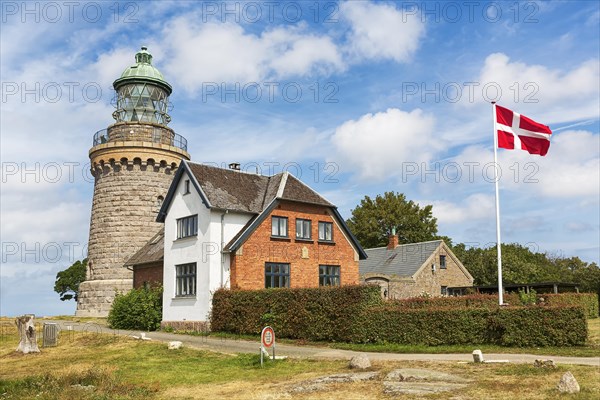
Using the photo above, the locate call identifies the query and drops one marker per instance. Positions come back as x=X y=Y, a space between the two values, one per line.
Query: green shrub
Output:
x=507 y=326
x=137 y=309
x=542 y=326
x=357 y=314
x=527 y=299
x=322 y=313
x=587 y=301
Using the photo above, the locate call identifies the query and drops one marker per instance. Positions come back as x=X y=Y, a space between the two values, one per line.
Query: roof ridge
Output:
x=406 y=244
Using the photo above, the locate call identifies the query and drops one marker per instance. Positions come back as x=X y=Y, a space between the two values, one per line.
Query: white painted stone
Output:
x=477 y=356
x=174 y=345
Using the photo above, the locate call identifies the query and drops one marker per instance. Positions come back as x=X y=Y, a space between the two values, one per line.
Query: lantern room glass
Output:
x=142 y=102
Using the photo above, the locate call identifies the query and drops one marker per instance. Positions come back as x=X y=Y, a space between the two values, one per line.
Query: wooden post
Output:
x=27 y=334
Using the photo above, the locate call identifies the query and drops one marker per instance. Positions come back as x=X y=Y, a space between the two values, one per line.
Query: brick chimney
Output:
x=393 y=240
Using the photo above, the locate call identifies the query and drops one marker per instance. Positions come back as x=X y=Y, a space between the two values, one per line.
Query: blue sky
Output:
x=356 y=98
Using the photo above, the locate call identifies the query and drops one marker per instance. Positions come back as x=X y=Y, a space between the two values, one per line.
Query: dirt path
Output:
x=244 y=346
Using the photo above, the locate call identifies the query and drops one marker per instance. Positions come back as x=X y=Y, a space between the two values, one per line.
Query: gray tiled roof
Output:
x=404 y=260
x=153 y=251
x=239 y=191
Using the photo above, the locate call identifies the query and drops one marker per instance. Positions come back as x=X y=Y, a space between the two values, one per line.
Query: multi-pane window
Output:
x=329 y=275
x=187 y=226
x=277 y=275
x=326 y=231
x=279 y=226
x=185 y=280
x=444 y=291
x=442 y=262
x=303 y=228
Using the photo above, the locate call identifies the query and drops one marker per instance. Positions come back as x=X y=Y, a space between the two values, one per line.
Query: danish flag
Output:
x=516 y=131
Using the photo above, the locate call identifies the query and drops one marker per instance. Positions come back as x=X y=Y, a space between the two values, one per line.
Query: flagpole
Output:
x=496 y=179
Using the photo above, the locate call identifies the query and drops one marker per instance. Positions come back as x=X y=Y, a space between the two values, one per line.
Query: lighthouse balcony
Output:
x=131 y=132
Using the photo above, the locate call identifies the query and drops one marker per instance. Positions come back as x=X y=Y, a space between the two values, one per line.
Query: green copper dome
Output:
x=143 y=72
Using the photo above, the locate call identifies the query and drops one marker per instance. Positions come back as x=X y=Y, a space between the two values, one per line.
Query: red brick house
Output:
x=227 y=228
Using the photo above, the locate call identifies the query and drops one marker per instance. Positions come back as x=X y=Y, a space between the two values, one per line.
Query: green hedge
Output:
x=313 y=313
x=507 y=326
x=588 y=301
x=357 y=314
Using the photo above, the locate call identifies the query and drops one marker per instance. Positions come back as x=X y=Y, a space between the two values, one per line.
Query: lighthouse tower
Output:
x=133 y=162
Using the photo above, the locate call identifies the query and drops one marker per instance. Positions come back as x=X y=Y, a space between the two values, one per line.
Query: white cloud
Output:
x=472 y=208
x=380 y=31
x=572 y=166
x=219 y=52
x=376 y=145
x=544 y=94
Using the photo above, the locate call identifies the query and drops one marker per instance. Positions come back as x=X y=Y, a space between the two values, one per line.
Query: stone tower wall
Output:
x=131 y=174
x=124 y=211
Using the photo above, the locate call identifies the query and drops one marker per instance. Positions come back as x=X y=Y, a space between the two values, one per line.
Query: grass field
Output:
x=98 y=366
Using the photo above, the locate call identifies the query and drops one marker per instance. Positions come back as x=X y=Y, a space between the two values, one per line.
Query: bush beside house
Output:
x=357 y=314
x=137 y=309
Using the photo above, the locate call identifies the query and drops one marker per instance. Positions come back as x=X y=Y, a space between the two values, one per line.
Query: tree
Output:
x=373 y=220
x=67 y=281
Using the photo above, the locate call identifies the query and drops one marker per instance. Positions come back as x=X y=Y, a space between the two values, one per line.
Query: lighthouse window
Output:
x=187 y=226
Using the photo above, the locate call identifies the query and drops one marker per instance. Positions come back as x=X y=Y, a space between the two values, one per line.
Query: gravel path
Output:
x=244 y=346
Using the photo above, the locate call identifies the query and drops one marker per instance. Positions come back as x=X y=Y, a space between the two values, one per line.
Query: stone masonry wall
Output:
x=428 y=281
x=132 y=176
x=304 y=257
x=124 y=209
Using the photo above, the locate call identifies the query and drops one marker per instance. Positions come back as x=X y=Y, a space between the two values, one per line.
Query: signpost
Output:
x=267 y=339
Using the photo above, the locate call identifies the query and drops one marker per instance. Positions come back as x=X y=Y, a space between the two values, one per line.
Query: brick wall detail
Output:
x=304 y=257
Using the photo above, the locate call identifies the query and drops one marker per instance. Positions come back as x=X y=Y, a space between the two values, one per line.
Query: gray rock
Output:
x=420 y=388
x=544 y=364
x=568 y=384
x=415 y=375
x=360 y=361
x=477 y=356
x=324 y=381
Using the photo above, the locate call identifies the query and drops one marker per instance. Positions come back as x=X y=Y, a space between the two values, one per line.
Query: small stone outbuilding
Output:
x=415 y=269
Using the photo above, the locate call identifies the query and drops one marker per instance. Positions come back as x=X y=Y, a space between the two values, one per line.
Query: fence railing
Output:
x=155 y=135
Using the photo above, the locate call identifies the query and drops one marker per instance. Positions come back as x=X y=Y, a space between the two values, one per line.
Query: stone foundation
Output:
x=96 y=297
x=191 y=326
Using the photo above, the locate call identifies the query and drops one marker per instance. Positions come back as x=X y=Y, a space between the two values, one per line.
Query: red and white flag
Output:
x=516 y=131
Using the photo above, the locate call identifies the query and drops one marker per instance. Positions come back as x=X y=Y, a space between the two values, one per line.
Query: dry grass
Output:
x=121 y=368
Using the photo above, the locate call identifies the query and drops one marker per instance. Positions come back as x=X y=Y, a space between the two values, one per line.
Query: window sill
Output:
x=184 y=239
x=326 y=242
x=190 y=297
x=281 y=238
x=304 y=240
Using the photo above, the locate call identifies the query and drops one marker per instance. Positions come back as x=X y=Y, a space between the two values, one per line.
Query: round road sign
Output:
x=267 y=337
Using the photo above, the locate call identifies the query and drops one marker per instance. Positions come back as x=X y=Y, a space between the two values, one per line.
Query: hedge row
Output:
x=357 y=314
x=588 y=301
x=313 y=313
x=510 y=326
